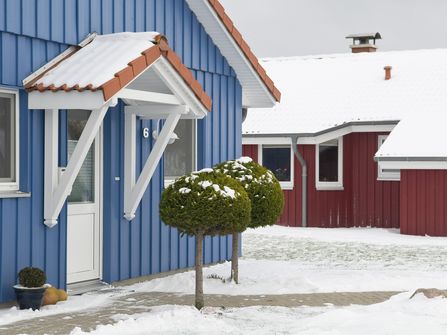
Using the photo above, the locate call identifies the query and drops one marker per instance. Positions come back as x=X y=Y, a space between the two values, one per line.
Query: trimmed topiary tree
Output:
x=205 y=203
x=266 y=196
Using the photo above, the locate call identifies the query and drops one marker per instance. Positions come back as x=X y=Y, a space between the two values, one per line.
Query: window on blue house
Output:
x=180 y=155
x=8 y=141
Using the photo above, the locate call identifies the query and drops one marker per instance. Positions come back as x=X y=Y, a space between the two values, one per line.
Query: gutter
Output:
x=303 y=180
x=410 y=159
x=325 y=131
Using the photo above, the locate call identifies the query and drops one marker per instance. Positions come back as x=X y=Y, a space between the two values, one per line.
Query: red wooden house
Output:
x=324 y=140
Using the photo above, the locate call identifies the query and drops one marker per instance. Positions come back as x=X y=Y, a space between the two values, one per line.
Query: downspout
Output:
x=303 y=180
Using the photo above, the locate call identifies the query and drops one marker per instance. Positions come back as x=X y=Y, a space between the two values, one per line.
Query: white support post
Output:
x=129 y=156
x=63 y=188
x=134 y=193
x=51 y=162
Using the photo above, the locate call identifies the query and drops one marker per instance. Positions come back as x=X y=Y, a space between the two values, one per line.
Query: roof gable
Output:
x=108 y=63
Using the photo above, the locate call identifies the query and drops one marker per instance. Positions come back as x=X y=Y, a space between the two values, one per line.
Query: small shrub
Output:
x=206 y=201
x=32 y=277
x=262 y=187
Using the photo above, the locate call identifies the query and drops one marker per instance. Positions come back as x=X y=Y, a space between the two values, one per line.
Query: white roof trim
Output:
x=319 y=137
x=255 y=93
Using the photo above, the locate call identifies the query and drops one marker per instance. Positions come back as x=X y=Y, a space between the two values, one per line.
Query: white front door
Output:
x=84 y=216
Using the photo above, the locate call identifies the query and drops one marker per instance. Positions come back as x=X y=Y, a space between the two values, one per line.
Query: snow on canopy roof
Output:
x=322 y=92
x=417 y=136
x=110 y=62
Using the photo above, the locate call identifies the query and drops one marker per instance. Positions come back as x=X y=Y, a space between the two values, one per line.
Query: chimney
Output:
x=364 y=42
x=387 y=72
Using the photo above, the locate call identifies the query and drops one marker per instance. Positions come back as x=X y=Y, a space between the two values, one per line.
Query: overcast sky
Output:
x=307 y=27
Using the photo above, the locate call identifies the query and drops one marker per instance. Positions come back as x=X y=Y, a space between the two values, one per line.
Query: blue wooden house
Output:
x=102 y=103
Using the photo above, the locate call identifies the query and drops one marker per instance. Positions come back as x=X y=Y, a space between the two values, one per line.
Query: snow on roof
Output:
x=83 y=68
x=322 y=92
x=421 y=136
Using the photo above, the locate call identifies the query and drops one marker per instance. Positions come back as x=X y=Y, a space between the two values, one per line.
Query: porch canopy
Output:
x=138 y=68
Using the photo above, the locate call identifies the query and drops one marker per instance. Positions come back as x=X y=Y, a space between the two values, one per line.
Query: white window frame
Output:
x=285 y=185
x=169 y=180
x=13 y=187
x=381 y=174
x=329 y=185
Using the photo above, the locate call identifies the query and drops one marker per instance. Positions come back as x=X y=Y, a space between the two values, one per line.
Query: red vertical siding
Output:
x=423 y=202
x=250 y=151
x=363 y=202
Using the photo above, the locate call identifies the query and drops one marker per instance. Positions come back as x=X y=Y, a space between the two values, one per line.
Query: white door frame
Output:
x=99 y=159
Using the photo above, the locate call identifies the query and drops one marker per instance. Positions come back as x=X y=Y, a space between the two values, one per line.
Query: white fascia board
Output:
x=316 y=139
x=179 y=88
x=138 y=95
x=413 y=165
x=65 y=100
x=154 y=112
x=266 y=140
x=255 y=93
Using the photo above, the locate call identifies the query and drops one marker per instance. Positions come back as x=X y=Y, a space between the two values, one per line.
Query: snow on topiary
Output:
x=203 y=203
x=264 y=191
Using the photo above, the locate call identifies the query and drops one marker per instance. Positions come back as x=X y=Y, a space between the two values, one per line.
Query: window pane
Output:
x=277 y=160
x=328 y=161
x=84 y=186
x=179 y=156
x=7 y=138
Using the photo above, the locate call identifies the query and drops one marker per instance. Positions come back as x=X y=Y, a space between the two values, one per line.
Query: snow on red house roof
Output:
x=323 y=92
x=110 y=62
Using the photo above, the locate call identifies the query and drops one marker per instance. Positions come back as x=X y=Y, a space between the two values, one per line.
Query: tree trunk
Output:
x=235 y=259
x=199 y=271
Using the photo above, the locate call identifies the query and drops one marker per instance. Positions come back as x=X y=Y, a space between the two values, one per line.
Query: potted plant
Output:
x=31 y=288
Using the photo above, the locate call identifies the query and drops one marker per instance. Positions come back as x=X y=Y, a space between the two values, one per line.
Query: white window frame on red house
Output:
x=384 y=174
x=168 y=180
x=10 y=186
x=285 y=185
x=329 y=185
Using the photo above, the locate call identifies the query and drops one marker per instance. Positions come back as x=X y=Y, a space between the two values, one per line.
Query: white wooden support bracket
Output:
x=57 y=190
x=134 y=191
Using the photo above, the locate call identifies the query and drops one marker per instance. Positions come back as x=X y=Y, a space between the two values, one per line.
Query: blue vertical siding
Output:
x=32 y=33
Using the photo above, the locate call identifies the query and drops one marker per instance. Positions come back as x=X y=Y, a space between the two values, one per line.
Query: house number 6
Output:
x=146 y=132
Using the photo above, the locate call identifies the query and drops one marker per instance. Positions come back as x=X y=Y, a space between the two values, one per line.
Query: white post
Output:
x=129 y=157
x=51 y=162
x=134 y=197
x=67 y=179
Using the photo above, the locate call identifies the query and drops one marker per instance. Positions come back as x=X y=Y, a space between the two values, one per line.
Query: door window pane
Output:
x=328 y=161
x=84 y=186
x=277 y=160
x=7 y=137
x=179 y=157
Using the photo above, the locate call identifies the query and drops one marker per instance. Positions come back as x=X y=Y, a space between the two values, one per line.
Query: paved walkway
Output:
x=141 y=302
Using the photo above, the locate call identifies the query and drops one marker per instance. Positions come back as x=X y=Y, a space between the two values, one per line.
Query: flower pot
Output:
x=29 y=297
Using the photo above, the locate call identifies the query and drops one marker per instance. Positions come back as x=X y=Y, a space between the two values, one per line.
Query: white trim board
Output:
x=255 y=93
x=413 y=165
x=315 y=139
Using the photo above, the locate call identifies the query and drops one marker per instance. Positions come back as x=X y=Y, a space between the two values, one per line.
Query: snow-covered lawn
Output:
x=394 y=317
x=279 y=260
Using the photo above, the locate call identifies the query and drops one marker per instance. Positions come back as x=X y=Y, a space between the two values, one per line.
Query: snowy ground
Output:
x=280 y=260
x=394 y=317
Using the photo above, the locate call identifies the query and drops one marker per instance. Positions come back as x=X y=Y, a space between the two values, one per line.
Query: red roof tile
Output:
x=133 y=69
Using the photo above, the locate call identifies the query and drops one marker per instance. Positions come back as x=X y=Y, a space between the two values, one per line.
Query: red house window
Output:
x=279 y=160
x=329 y=165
